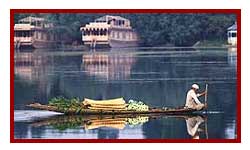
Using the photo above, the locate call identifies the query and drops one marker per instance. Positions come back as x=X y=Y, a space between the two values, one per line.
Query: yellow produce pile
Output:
x=113 y=104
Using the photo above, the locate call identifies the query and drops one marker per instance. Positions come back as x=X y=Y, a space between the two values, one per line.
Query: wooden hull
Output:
x=35 y=44
x=113 y=44
x=174 y=111
x=122 y=44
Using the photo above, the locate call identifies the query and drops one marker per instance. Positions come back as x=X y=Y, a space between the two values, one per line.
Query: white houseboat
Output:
x=109 y=31
x=34 y=32
x=232 y=35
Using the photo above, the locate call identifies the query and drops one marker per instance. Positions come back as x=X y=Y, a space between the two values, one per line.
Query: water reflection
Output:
x=193 y=126
x=108 y=66
x=232 y=56
x=92 y=122
x=32 y=66
x=104 y=127
x=157 y=77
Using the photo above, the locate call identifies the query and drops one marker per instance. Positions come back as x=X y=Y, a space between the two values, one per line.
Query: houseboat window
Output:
x=105 y=32
x=101 y=32
x=98 y=32
x=86 y=32
x=31 y=33
x=93 y=32
x=119 y=22
x=90 y=32
x=16 y=34
x=233 y=34
x=23 y=34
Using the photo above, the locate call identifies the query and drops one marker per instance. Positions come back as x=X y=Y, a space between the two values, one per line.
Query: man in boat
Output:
x=192 y=100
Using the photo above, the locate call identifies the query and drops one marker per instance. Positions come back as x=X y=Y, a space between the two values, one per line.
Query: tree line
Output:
x=154 y=29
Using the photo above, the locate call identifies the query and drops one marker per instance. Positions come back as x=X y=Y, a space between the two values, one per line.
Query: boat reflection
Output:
x=119 y=122
x=91 y=122
x=108 y=66
x=232 y=56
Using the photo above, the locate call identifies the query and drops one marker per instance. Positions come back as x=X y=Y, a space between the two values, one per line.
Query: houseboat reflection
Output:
x=232 y=56
x=108 y=66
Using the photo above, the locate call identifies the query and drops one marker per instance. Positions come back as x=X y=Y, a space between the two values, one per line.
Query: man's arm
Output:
x=194 y=96
x=201 y=94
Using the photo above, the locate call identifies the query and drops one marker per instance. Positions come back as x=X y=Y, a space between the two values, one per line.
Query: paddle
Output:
x=206 y=90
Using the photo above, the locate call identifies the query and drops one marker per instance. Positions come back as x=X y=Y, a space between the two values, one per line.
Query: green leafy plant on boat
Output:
x=73 y=104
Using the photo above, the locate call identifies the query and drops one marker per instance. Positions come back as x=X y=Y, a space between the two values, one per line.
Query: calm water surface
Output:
x=159 y=77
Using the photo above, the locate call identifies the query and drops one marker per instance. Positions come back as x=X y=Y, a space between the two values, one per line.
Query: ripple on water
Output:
x=30 y=115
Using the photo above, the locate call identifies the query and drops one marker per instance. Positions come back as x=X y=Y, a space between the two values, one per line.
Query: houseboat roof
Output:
x=33 y=22
x=109 y=17
x=95 y=25
x=233 y=27
x=32 y=19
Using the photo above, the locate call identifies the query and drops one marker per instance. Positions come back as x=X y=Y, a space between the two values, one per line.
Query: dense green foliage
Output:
x=64 y=104
x=69 y=122
x=153 y=29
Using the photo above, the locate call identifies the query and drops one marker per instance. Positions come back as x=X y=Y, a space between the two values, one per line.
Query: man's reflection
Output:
x=193 y=124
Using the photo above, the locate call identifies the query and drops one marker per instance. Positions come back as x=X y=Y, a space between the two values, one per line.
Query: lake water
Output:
x=159 y=77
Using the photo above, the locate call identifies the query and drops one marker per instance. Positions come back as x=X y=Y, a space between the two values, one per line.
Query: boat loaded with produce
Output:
x=105 y=107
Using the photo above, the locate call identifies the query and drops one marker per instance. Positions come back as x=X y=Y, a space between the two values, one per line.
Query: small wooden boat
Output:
x=85 y=111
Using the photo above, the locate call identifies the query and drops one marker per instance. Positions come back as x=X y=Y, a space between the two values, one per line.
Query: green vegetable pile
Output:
x=137 y=106
x=64 y=104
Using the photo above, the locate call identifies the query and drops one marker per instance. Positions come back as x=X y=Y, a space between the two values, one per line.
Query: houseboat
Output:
x=232 y=35
x=34 y=32
x=109 y=31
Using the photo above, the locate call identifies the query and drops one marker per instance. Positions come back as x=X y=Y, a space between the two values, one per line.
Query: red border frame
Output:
x=225 y=11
